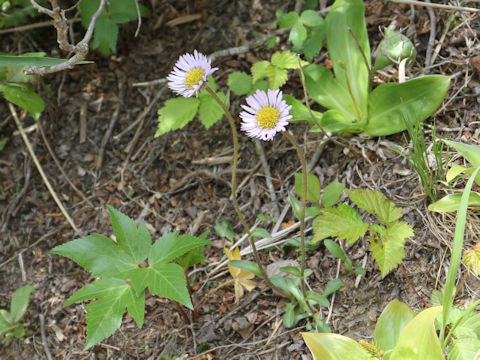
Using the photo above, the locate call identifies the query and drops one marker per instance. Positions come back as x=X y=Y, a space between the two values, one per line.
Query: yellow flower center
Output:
x=193 y=77
x=267 y=117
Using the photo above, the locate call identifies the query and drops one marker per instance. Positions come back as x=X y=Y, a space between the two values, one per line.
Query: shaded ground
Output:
x=164 y=182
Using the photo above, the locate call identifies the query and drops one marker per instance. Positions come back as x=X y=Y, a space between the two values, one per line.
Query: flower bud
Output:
x=394 y=48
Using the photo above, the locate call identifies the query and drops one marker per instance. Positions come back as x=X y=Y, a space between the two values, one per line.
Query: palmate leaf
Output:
x=171 y=245
x=342 y=221
x=99 y=255
x=386 y=244
x=376 y=204
x=104 y=316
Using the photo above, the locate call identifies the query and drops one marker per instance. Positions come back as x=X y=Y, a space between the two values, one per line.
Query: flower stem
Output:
x=291 y=138
x=234 y=186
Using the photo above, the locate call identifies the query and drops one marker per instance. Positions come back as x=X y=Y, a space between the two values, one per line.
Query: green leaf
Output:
x=171 y=245
x=313 y=187
x=276 y=76
x=240 y=83
x=419 y=339
x=469 y=152
x=105 y=36
x=332 y=286
x=298 y=35
x=176 y=113
x=124 y=11
x=300 y=112
x=376 y=204
x=464 y=349
x=104 y=316
x=343 y=222
x=247 y=266
x=453 y=172
x=390 y=325
x=259 y=85
x=452 y=202
x=3 y=143
x=99 y=255
x=193 y=256
x=289 y=315
x=223 y=228
x=210 y=111
x=387 y=244
x=315 y=298
x=272 y=42
x=134 y=241
x=296 y=205
x=25 y=60
x=165 y=280
x=334 y=121
x=19 y=304
x=311 y=18
x=311 y=47
x=292 y=270
x=288 y=20
x=332 y=193
x=24 y=96
x=285 y=59
x=326 y=91
x=391 y=104
x=259 y=70
x=313 y=210
x=260 y=232
x=335 y=347
x=342 y=47
x=338 y=252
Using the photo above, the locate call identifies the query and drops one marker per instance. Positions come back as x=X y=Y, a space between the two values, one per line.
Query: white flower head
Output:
x=266 y=114
x=190 y=73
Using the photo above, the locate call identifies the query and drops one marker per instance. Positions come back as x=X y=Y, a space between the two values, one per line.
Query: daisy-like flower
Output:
x=265 y=115
x=190 y=73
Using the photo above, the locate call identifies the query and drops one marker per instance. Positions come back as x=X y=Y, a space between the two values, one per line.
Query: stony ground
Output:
x=100 y=124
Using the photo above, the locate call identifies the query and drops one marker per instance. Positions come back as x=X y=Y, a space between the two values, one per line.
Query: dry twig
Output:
x=80 y=50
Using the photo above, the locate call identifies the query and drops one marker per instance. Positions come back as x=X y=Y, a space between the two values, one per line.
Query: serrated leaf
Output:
x=104 y=316
x=176 y=113
x=313 y=187
x=99 y=255
x=464 y=349
x=193 y=256
x=259 y=70
x=24 y=96
x=342 y=221
x=223 y=228
x=311 y=18
x=288 y=20
x=298 y=35
x=19 y=303
x=124 y=11
x=285 y=59
x=240 y=82
x=387 y=245
x=105 y=36
x=311 y=47
x=376 y=204
x=276 y=76
x=209 y=111
x=418 y=340
x=171 y=245
x=332 y=193
x=134 y=241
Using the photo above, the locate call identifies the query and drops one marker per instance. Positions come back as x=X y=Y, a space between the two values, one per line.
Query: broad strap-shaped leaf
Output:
x=171 y=245
x=104 y=316
x=376 y=204
x=469 y=152
x=176 y=113
x=456 y=170
x=391 y=104
x=387 y=244
x=134 y=241
x=19 y=303
x=419 y=339
x=464 y=349
x=164 y=280
x=99 y=255
x=29 y=60
x=452 y=202
x=300 y=112
x=390 y=325
x=327 y=346
x=328 y=92
x=342 y=47
x=342 y=221
x=313 y=187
